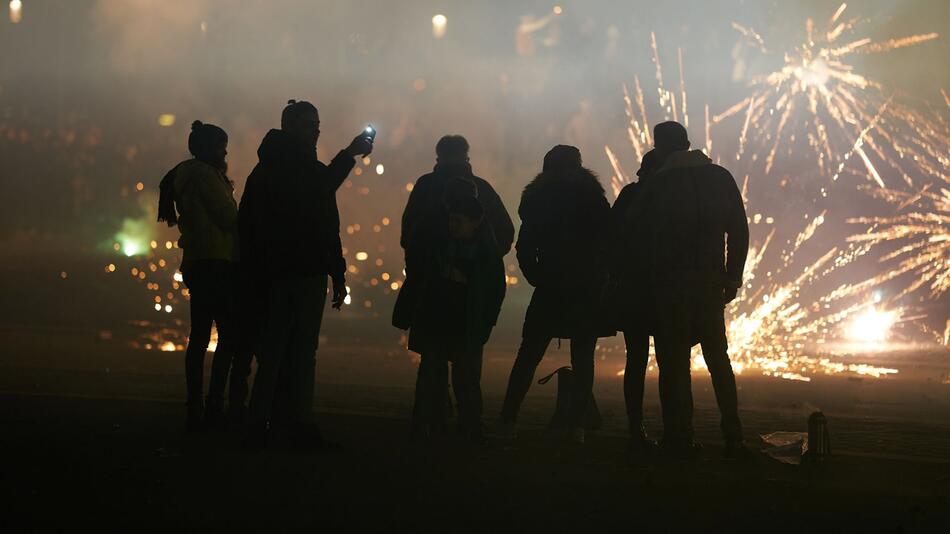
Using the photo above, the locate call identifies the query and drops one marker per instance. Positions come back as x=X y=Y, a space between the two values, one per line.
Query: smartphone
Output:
x=370 y=132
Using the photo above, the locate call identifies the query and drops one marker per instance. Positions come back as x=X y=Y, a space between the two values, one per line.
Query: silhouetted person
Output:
x=450 y=302
x=697 y=238
x=292 y=227
x=198 y=197
x=425 y=213
x=636 y=306
x=562 y=251
x=451 y=178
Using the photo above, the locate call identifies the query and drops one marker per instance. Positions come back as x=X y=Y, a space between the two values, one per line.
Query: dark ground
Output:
x=92 y=440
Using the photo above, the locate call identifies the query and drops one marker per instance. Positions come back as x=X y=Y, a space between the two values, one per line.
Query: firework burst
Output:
x=848 y=122
x=773 y=327
x=922 y=231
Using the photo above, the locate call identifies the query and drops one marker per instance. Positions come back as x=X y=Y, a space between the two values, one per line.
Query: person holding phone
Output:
x=290 y=237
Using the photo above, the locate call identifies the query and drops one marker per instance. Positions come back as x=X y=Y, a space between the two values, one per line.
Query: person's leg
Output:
x=223 y=312
x=673 y=358
x=522 y=374
x=308 y=302
x=275 y=342
x=582 y=362
x=466 y=380
x=201 y=319
x=249 y=311
x=715 y=352
x=638 y=354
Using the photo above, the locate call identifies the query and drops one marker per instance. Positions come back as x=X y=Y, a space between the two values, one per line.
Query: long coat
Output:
x=562 y=251
x=421 y=309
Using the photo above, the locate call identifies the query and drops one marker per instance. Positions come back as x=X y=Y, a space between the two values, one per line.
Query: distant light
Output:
x=385 y=221
x=130 y=248
x=178 y=277
x=158 y=307
x=111 y=268
x=153 y=244
x=558 y=10
x=139 y=186
x=419 y=84
x=385 y=276
x=438 y=25
x=362 y=256
x=394 y=286
x=64 y=275
x=168 y=245
x=16 y=11
x=168 y=308
x=380 y=169
x=166 y=120
x=367 y=160
x=167 y=346
x=409 y=187
x=204 y=27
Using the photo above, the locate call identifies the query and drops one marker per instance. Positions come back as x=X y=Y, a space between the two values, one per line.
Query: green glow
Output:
x=134 y=236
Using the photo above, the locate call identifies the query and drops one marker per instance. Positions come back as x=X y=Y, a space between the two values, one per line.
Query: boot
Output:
x=194 y=420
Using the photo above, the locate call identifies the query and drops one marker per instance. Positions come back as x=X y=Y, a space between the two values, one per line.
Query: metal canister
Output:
x=819 y=442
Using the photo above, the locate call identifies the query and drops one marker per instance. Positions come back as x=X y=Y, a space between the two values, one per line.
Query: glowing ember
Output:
x=871 y=326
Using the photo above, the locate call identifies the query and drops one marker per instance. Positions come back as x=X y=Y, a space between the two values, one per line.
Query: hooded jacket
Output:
x=693 y=223
x=427 y=206
x=204 y=198
x=562 y=251
x=289 y=220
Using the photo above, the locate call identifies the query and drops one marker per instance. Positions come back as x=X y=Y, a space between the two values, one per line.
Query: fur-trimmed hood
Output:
x=581 y=178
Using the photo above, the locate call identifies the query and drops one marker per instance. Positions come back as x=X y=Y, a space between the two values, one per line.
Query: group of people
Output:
x=662 y=262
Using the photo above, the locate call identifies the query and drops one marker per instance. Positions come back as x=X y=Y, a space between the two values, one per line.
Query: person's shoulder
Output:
x=721 y=174
x=425 y=181
x=196 y=170
x=482 y=183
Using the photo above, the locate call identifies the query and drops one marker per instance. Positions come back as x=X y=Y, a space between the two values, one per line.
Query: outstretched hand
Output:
x=362 y=145
x=339 y=293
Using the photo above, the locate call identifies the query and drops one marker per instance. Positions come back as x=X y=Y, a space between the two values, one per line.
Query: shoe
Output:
x=308 y=437
x=214 y=418
x=680 y=449
x=256 y=438
x=504 y=430
x=473 y=433
x=577 y=435
x=237 y=416
x=737 y=450
x=641 y=446
x=194 y=420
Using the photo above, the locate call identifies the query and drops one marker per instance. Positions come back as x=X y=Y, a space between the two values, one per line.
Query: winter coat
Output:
x=693 y=223
x=450 y=302
x=630 y=302
x=289 y=220
x=426 y=210
x=562 y=252
x=204 y=198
